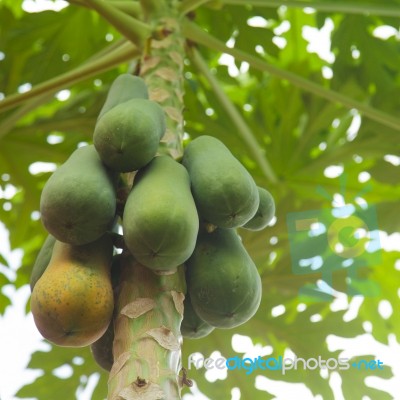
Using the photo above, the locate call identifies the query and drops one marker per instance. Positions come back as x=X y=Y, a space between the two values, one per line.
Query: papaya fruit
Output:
x=125 y=87
x=127 y=136
x=224 y=191
x=72 y=302
x=102 y=349
x=78 y=202
x=265 y=211
x=160 y=221
x=192 y=326
x=42 y=260
x=222 y=280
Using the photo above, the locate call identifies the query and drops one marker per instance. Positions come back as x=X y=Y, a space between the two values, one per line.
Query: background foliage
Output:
x=306 y=112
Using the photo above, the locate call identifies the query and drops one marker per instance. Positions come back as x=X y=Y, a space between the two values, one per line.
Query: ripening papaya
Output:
x=224 y=191
x=125 y=87
x=78 y=202
x=265 y=211
x=222 y=280
x=127 y=136
x=192 y=326
x=72 y=303
x=42 y=260
x=160 y=221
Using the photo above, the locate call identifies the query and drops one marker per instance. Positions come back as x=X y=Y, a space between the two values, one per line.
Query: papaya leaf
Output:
x=4 y=300
x=78 y=365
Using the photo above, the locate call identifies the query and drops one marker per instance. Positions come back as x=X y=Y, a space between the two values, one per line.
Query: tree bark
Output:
x=162 y=69
x=147 y=338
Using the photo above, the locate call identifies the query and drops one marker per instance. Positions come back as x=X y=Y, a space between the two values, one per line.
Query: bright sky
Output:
x=19 y=336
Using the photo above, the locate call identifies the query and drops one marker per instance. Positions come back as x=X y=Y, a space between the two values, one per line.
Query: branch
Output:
x=133 y=29
x=131 y=8
x=242 y=127
x=151 y=7
x=196 y=34
x=190 y=5
x=332 y=6
x=123 y=53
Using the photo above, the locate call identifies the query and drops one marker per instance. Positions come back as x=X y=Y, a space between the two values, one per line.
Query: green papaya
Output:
x=222 y=280
x=125 y=87
x=193 y=327
x=265 y=211
x=78 y=202
x=42 y=260
x=224 y=191
x=102 y=349
x=128 y=135
x=160 y=221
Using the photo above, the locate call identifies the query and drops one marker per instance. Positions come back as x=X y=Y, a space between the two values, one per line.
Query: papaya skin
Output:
x=125 y=87
x=127 y=136
x=193 y=327
x=72 y=302
x=224 y=191
x=102 y=349
x=42 y=260
x=265 y=212
x=160 y=220
x=222 y=280
x=78 y=202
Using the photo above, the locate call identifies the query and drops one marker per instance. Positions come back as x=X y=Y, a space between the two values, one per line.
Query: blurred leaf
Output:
x=3 y=260
x=50 y=385
x=4 y=300
x=59 y=41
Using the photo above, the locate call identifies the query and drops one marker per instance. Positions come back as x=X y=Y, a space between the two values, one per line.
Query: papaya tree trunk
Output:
x=147 y=337
x=162 y=69
x=149 y=308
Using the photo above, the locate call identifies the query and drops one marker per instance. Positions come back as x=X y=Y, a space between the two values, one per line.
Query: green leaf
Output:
x=4 y=300
x=3 y=260
x=54 y=38
x=78 y=361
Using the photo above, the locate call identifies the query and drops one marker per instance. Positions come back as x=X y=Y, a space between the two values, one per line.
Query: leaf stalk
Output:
x=133 y=29
x=124 y=52
x=196 y=34
x=325 y=6
x=190 y=5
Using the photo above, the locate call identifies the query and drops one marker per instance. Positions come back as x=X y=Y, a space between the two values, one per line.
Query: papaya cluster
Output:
x=177 y=212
